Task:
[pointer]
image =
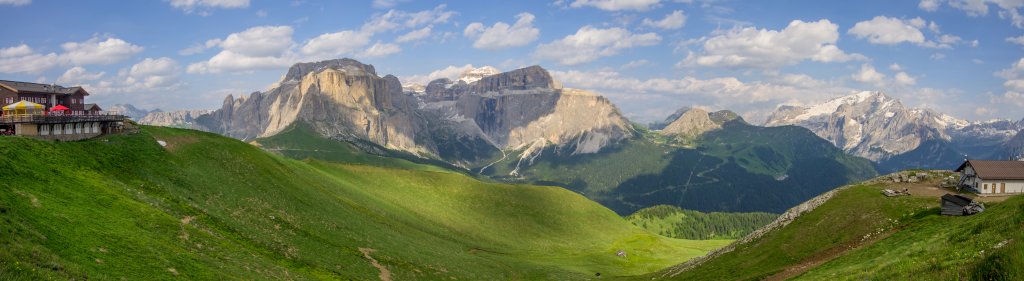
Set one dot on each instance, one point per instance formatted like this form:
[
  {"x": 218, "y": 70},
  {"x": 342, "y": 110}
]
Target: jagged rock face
[
  {"x": 867, "y": 124},
  {"x": 455, "y": 121},
  {"x": 527, "y": 107},
  {"x": 339, "y": 98},
  {"x": 692, "y": 123},
  {"x": 875, "y": 126},
  {"x": 180, "y": 118}
]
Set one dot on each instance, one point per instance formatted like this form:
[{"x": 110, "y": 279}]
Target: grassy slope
[
  {"x": 879, "y": 238},
  {"x": 209, "y": 207},
  {"x": 741, "y": 168},
  {"x": 675, "y": 222}
]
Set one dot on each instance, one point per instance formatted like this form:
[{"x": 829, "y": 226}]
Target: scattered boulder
[{"x": 620, "y": 253}]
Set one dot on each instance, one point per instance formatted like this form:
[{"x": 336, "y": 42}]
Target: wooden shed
[{"x": 959, "y": 205}]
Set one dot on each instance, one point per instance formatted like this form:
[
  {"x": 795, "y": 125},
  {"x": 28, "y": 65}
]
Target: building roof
[
  {"x": 996, "y": 170},
  {"x": 18, "y": 86},
  {"x": 89, "y": 106},
  {"x": 959, "y": 200}
]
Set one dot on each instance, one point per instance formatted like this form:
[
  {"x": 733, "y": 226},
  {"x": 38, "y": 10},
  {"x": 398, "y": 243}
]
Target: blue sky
[{"x": 964, "y": 58}]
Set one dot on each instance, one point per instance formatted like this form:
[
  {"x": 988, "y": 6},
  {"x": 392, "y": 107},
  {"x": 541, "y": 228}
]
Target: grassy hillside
[
  {"x": 861, "y": 235},
  {"x": 740, "y": 168},
  {"x": 675, "y": 222},
  {"x": 209, "y": 207}
]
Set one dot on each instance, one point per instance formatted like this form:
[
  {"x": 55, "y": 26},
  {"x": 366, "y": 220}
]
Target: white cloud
[
  {"x": 1008, "y": 9},
  {"x": 451, "y": 72},
  {"x": 259, "y": 41},
  {"x": 384, "y": 4},
  {"x": 617, "y": 5},
  {"x": 332, "y": 45},
  {"x": 22, "y": 59},
  {"x": 258, "y": 47},
  {"x": 590, "y": 43},
  {"x": 396, "y": 20},
  {"x": 889, "y": 31},
  {"x": 1019, "y": 40},
  {"x": 94, "y": 51},
  {"x": 381, "y": 49},
  {"x": 147, "y": 76},
  {"x": 501, "y": 35},
  {"x": 869, "y": 75},
  {"x": 763, "y": 48},
  {"x": 892, "y": 31},
  {"x": 191, "y": 5},
  {"x": 937, "y": 56},
  {"x": 929, "y": 5},
  {"x": 635, "y": 64},
  {"x": 895, "y": 67},
  {"x": 675, "y": 20},
  {"x": 902, "y": 78},
  {"x": 1016, "y": 71},
  {"x": 200, "y": 48},
  {"x": 15, "y": 2},
  {"x": 414, "y": 35},
  {"x": 78, "y": 75}
]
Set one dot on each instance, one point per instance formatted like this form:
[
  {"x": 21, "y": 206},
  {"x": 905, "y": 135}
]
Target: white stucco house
[{"x": 988, "y": 177}]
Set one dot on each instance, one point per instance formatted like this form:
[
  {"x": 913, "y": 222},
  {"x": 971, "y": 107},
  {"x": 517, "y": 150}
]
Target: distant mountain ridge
[{"x": 878, "y": 127}]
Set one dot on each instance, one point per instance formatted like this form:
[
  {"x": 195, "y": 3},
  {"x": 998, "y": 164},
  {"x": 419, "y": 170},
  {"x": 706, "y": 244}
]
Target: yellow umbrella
[{"x": 23, "y": 107}]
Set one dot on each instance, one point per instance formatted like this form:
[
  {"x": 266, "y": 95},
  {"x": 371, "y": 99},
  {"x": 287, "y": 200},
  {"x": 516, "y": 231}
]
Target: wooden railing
[{"x": 47, "y": 119}]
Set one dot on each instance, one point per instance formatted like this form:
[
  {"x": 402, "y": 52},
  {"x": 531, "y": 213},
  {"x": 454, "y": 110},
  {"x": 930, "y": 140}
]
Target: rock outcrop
[
  {"x": 693, "y": 122},
  {"x": 342, "y": 99},
  {"x": 129, "y": 110}
]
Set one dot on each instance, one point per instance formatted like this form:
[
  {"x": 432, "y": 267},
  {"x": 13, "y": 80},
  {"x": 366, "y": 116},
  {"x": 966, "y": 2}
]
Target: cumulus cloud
[
  {"x": 414, "y": 35},
  {"x": 891, "y": 31},
  {"x": 929, "y": 5},
  {"x": 381, "y": 49},
  {"x": 147, "y": 76},
  {"x": 1019, "y": 40},
  {"x": 396, "y": 19},
  {"x": 1008, "y": 9},
  {"x": 902, "y": 78},
  {"x": 869, "y": 75},
  {"x": 78, "y": 75},
  {"x": 886, "y": 30},
  {"x": 24, "y": 59},
  {"x": 15, "y": 2},
  {"x": 764, "y": 48},
  {"x": 258, "y": 47},
  {"x": 502, "y": 35},
  {"x": 200, "y": 48},
  {"x": 336, "y": 44},
  {"x": 451, "y": 72},
  {"x": 190, "y": 6},
  {"x": 94, "y": 51},
  {"x": 590, "y": 43},
  {"x": 675, "y": 20},
  {"x": 617, "y": 5}
]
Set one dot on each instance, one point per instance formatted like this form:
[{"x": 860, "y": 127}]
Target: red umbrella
[{"x": 59, "y": 108}]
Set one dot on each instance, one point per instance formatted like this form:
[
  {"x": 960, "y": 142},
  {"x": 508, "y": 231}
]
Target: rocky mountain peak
[
  {"x": 520, "y": 79},
  {"x": 354, "y": 67},
  {"x": 473, "y": 75},
  {"x": 692, "y": 122}
]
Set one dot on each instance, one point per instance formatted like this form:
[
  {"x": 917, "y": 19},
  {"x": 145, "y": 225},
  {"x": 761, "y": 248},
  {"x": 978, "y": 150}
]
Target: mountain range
[
  {"x": 524, "y": 126},
  {"x": 878, "y": 127}
]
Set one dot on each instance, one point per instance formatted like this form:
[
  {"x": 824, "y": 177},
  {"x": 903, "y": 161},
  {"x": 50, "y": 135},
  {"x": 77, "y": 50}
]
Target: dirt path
[
  {"x": 385, "y": 274},
  {"x": 825, "y": 256}
]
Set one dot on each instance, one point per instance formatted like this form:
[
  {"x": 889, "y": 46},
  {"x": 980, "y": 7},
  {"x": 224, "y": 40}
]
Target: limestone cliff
[{"x": 340, "y": 98}]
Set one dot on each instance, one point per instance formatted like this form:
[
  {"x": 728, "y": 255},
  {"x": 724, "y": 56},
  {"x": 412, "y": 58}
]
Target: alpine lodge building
[{"x": 53, "y": 112}]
